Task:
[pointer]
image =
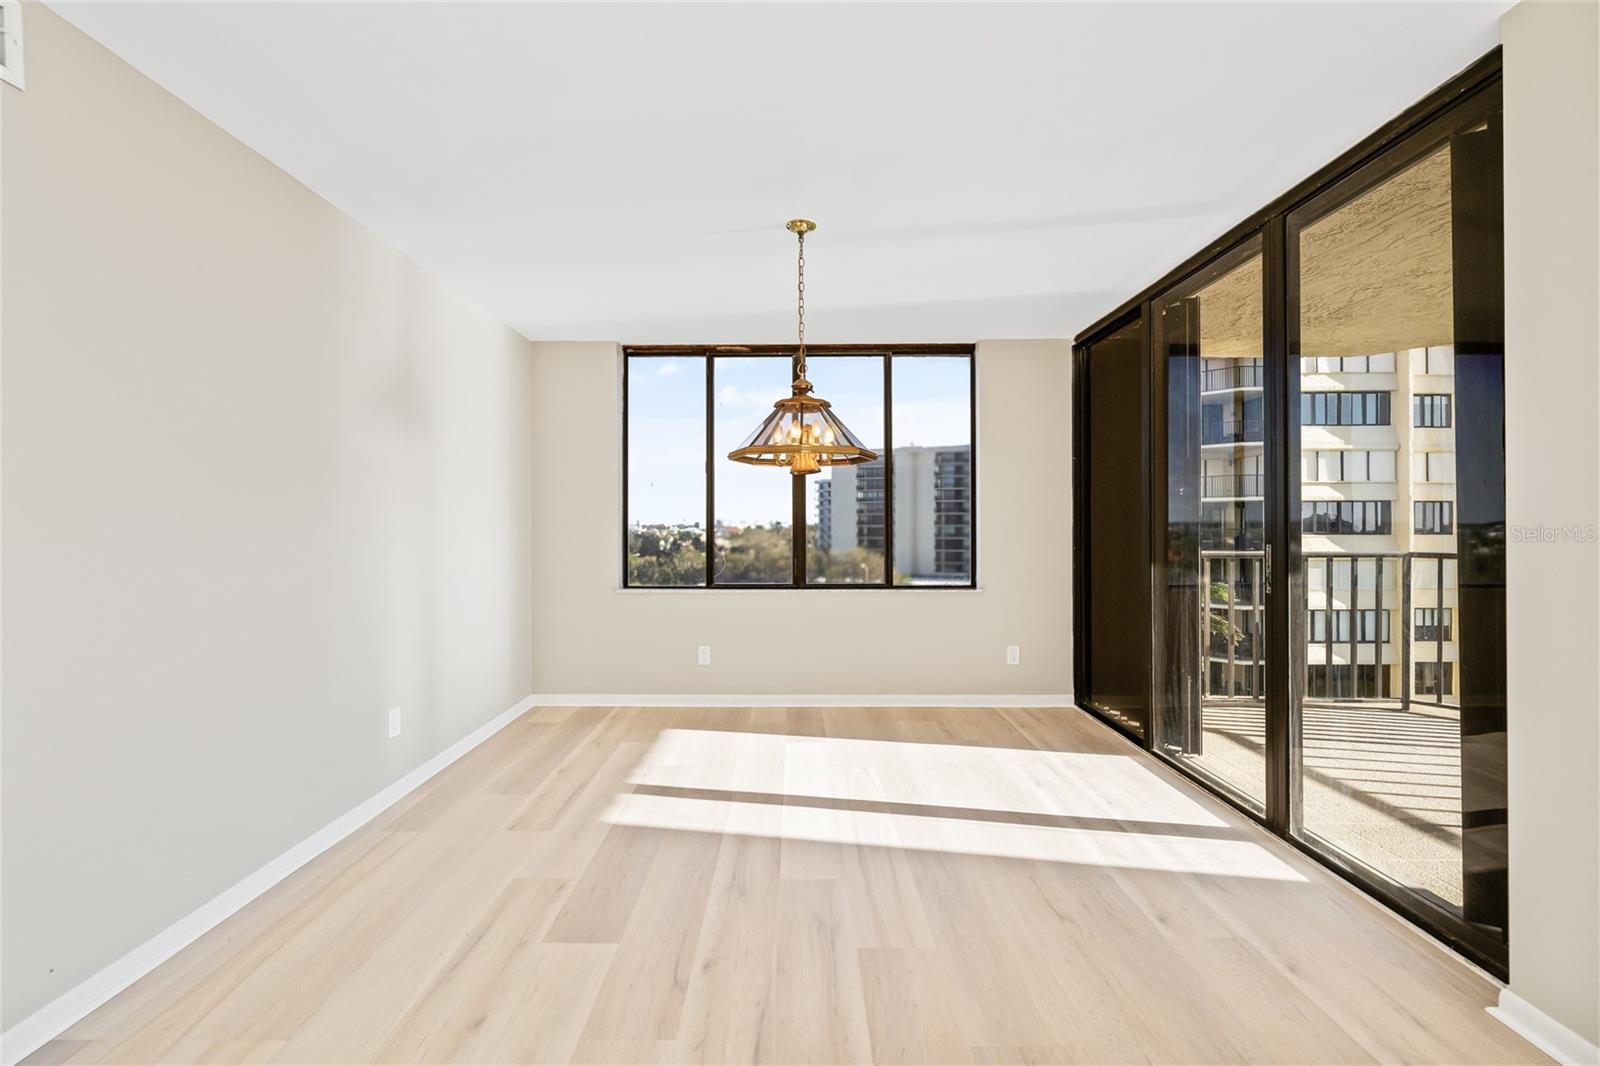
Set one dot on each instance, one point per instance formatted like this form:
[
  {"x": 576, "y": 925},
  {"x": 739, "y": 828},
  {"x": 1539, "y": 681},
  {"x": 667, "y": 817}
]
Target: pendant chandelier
[{"x": 802, "y": 433}]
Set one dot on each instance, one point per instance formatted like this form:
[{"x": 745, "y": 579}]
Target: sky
[{"x": 666, "y": 426}]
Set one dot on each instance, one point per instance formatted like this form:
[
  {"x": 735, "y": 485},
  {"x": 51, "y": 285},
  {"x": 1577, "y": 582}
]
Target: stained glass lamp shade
[{"x": 802, "y": 433}]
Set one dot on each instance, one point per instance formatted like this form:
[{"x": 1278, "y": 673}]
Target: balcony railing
[
  {"x": 1217, "y": 485},
  {"x": 1245, "y": 374},
  {"x": 1231, "y": 431},
  {"x": 1359, "y": 597}
]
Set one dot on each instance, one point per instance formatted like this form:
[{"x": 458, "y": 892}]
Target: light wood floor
[{"x": 806, "y": 885}]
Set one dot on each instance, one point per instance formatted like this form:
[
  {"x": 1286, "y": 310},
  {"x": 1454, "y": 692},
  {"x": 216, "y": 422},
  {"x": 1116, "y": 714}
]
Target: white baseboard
[
  {"x": 49, "y": 1021},
  {"x": 1543, "y": 1031},
  {"x": 768, "y": 699}
]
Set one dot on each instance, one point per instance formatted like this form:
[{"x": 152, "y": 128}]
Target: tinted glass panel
[
  {"x": 844, "y": 504},
  {"x": 754, "y": 512},
  {"x": 1212, "y": 660},
  {"x": 666, "y": 471},
  {"x": 1385, "y": 756},
  {"x": 1117, "y": 565},
  {"x": 933, "y": 474}
]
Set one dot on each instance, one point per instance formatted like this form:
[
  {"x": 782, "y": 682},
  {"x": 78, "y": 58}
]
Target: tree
[{"x": 666, "y": 556}]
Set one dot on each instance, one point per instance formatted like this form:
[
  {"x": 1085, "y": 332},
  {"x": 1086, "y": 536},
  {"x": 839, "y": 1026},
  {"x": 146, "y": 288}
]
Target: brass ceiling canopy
[{"x": 802, "y": 432}]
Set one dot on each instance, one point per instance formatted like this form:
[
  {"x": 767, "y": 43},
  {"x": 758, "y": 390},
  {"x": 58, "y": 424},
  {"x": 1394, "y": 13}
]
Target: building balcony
[
  {"x": 1245, "y": 375},
  {"x": 1233, "y": 486},
  {"x": 1232, "y": 431}
]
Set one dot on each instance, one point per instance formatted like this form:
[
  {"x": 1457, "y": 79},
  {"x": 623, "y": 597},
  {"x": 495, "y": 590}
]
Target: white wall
[
  {"x": 264, "y": 478},
  {"x": 589, "y": 637},
  {"x": 1552, "y": 174}
]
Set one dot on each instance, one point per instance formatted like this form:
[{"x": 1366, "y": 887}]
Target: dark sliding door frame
[
  {"x": 1084, "y": 683},
  {"x": 1480, "y": 935}
]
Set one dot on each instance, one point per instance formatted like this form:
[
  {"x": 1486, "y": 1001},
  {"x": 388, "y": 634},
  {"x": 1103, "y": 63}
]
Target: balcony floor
[{"x": 1382, "y": 784}]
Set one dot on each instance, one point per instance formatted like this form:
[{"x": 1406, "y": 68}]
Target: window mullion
[
  {"x": 711, "y": 471},
  {"x": 888, "y": 470}
]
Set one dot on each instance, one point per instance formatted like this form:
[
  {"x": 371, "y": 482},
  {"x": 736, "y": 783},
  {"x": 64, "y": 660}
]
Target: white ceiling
[{"x": 623, "y": 172}]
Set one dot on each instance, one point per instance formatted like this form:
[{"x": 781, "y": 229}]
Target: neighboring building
[
  {"x": 932, "y": 503},
  {"x": 1378, "y": 503},
  {"x": 824, "y": 488}
]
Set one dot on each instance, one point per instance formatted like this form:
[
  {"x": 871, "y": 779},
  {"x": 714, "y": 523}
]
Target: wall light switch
[
  {"x": 703, "y": 655},
  {"x": 394, "y": 722},
  {"x": 1013, "y": 655}
]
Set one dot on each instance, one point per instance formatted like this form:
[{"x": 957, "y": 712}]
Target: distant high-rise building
[
  {"x": 933, "y": 510},
  {"x": 824, "y": 490},
  {"x": 1378, "y": 502}
]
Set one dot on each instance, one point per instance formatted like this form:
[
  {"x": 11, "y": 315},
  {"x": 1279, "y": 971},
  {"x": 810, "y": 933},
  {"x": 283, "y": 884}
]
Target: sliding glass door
[
  {"x": 1395, "y": 322},
  {"x": 1211, "y": 646},
  {"x": 1324, "y": 547}
]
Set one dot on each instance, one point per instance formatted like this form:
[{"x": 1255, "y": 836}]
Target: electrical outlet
[
  {"x": 703, "y": 655},
  {"x": 394, "y": 722},
  {"x": 1013, "y": 655}
]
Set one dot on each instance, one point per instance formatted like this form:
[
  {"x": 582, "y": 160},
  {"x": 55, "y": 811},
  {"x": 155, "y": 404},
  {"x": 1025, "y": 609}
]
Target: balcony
[
  {"x": 1245, "y": 430},
  {"x": 1245, "y": 374},
  {"x": 1229, "y": 486}
]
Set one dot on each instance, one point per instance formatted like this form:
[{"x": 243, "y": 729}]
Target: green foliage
[
  {"x": 852, "y": 566},
  {"x": 674, "y": 556},
  {"x": 666, "y": 556},
  {"x": 1222, "y": 625},
  {"x": 758, "y": 555}
]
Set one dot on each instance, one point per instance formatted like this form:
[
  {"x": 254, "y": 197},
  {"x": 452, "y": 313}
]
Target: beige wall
[
  {"x": 589, "y": 637},
  {"x": 1552, "y": 144},
  {"x": 264, "y": 478}
]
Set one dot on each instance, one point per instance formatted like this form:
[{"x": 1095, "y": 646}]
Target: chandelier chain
[{"x": 800, "y": 289}]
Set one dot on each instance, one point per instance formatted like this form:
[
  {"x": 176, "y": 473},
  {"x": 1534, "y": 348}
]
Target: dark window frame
[
  {"x": 1347, "y": 518},
  {"x": 1431, "y": 624},
  {"x": 1432, "y": 410},
  {"x": 1338, "y": 407},
  {"x": 1435, "y": 679},
  {"x": 799, "y": 526},
  {"x": 1433, "y": 518}
]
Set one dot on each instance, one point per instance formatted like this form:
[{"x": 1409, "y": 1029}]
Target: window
[
  {"x": 845, "y": 536},
  {"x": 1344, "y": 408},
  {"x": 1347, "y": 517},
  {"x": 1434, "y": 516},
  {"x": 1232, "y": 525},
  {"x": 752, "y": 520},
  {"x": 1329, "y": 627},
  {"x": 1433, "y": 466},
  {"x": 1431, "y": 623},
  {"x": 1367, "y": 627},
  {"x": 1333, "y": 627},
  {"x": 1431, "y": 410},
  {"x": 1380, "y": 363},
  {"x": 1334, "y": 682},
  {"x": 1436, "y": 359},
  {"x": 1329, "y": 467},
  {"x": 666, "y": 529},
  {"x": 696, "y": 519},
  {"x": 932, "y": 469},
  {"x": 1435, "y": 679}
]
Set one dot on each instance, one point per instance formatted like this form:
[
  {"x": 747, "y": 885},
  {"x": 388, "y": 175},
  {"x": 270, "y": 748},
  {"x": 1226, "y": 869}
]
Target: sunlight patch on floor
[{"x": 1070, "y": 807}]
